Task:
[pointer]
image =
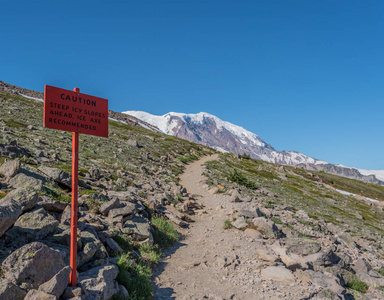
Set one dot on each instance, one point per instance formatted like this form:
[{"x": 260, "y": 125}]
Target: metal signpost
[{"x": 78, "y": 113}]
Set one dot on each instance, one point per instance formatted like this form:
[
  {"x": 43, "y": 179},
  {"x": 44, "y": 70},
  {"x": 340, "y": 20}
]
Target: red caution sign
[
  {"x": 80, "y": 113},
  {"x": 72, "y": 111}
]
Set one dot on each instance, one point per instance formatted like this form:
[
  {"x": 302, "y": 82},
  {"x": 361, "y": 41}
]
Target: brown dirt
[{"x": 211, "y": 262}]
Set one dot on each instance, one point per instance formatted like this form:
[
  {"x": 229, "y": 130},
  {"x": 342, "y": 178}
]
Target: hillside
[{"x": 245, "y": 224}]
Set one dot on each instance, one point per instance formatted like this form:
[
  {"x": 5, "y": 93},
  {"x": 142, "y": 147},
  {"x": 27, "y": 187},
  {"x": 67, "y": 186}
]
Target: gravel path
[{"x": 211, "y": 262}]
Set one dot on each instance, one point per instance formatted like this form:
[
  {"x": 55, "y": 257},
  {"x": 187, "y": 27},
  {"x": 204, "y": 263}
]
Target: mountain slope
[{"x": 209, "y": 130}]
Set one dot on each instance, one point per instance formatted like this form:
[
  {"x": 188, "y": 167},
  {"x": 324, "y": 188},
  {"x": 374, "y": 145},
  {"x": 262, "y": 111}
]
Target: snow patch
[{"x": 34, "y": 98}]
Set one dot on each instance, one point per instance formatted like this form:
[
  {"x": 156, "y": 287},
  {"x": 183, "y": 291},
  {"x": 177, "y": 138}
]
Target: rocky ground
[
  {"x": 255, "y": 259},
  {"x": 250, "y": 229}
]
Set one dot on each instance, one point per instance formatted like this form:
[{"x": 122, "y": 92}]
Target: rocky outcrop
[{"x": 32, "y": 265}]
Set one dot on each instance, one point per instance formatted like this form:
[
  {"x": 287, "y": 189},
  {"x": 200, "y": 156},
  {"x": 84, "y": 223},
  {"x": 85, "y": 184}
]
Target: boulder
[
  {"x": 239, "y": 223},
  {"x": 252, "y": 233},
  {"x": 140, "y": 227},
  {"x": 106, "y": 207},
  {"x": 57, "y": 175},
  {"x": 93, "y": 247},
  {"x": 31, "y": 265},
  {"x": 302, "y": 246},
  {"x": 278, "y": 273},
  {"x": 38, "y": 295},
  {"x": 133, "y": 143},
  {"x": 50, "y": 205},
  {"x": 113, "y": 248},
  {"x": 26, "y": 198},
  {"x": 10, "y": 168},
  {"x": 10, "y": 291},
  {"x": 71, "y": 292},
  {"x": 361, "y": 265},
  {"x": 266, "y": 227},
  {"x": 57, "y": 284},
  {"x": 9, "y": 212},
  {"x": 32, "y": 226},
  {"x": 321, "y": 280},
  {"x": 101, "y": 280},
  {"x": 128, "y": 209},
  {"x": 26, "y": 182},
  {"x": 327, "y": 258}
]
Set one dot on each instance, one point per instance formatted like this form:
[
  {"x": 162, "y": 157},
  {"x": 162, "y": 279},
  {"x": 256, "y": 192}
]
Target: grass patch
[
  {"x": 277, "y": 220},
  {"x": 227, "y": 224},
  {"x": 357, "y": 285},
  {"x": 124, "y": 242},
  {"x": 149, "y": 253},
  {"x": 136, "y": 277},
  {"x": 164, "y": 232},
  {"x": 240, "y": 178}
]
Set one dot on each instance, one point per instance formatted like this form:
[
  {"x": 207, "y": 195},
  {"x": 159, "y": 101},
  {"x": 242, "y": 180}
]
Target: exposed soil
[{"x": 211, "y": 262}]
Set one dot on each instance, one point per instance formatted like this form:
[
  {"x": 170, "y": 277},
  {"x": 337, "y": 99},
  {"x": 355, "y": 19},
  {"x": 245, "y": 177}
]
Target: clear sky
[{"x": 304, "y": 75}]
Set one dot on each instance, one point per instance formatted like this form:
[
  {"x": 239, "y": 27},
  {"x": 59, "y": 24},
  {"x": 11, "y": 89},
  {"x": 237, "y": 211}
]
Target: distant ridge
[{"x": 209, "y": 130}]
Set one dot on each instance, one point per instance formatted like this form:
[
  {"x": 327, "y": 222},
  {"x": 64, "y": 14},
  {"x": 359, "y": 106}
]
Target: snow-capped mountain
[{"x": 209, "y": 130}]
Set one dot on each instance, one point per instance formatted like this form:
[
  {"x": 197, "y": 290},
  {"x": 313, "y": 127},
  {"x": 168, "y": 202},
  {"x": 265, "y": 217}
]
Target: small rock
[{"x": 57, "y": 284}]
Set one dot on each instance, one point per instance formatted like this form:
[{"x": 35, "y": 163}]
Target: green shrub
[
  {"x": 150, "y": 253},
  {"x": 164, "y": 233},
  {"x": 357, "y": 285},
  {"x": 136, "y": 277},
  {"x": 227, "y": 224},
  {"x": 240, "y": 178}
]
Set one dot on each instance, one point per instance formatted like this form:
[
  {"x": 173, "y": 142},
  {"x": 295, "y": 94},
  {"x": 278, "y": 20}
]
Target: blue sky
[{"x": 304, "y": 75}]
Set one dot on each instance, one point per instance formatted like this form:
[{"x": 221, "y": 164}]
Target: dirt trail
[{"x": 211, "y": 262}]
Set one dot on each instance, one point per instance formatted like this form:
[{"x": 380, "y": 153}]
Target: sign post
[{"x": 79, "y": 113}]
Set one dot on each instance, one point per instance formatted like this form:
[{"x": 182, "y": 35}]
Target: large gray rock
[
  {"x": 327, "y": 258},
  {"x": 140, "y": 227},
  {"x": 278, "y": 273},
  {"x": 93, "y": 248},
  {"x": 57, "y": 284},
  {"x": 26, "y": 198},
  {"x": 101, "y": 280},
  {"x": 266, "y": 227},
  {"x": 38, "y": 295},
  {"x": 31, "y": 265},
  {"x": 327, "y": 282},
  {"x": 113, "y": 248},
  {"x": 57, "y": 175},
  {"x": 10, "y": 291},
  {"x": 9, "y": 212},
  {"x": 10, "y": 168},
  {"x": 106, "y": 207},
  {"x": 302, "y": 246},
  {"x": 128, "y": 209},
  {"x": 52, "y": 205},
  {"x": 239, "y": 223},
  {"x": 32, "y": 226},
  {"x": 26, "y": 182}
]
